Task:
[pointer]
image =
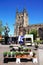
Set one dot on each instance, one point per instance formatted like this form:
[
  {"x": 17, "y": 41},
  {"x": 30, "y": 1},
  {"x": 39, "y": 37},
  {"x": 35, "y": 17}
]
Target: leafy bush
[
  {"x": 5, "y": 54},
  {"x": 29, "y": 49},
  {"x": 34, "y": 32},
  {"x": 11, "y": 46},
  {"x": 26, "y": 53},
  {"x": 26, "y": 49},
  {"x": 34, "y": 54},
  {"x": 13, "y": 54},
  {"x": 9, "y": 54},
  {"x": 22, "y": 53},
  {"x": 38, "y": 41},
  {"x": 36, "y": 46},
  {"x": 20, "y": 48},
  {"x": 18, "y": 53}
]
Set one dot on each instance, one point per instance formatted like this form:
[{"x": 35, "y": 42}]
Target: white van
[{"x": 28, "y": 39}]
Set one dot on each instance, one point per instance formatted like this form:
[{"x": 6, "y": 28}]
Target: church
[{"x": 21, "y": 24}]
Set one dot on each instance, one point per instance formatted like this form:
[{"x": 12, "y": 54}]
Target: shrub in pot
[
  {"x": 36, "y": 46},
  {"x": 11, "y": 46},
  {"x": 20, "y": 48},
  {"x": 34, "y": 54},
  {"x": 5, "y": 54},
  {"x": 9, "y": 54},
  {"x": 26, "y": 53},
  {"x": 26, "y": 49},
  {"x": 29, "y": 50},
  {"x": 18, "y": 54},
  {"x": 13, "y": 54}
]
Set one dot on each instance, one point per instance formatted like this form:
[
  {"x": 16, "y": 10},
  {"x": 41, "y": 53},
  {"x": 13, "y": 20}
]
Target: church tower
[
  {"x": 25, "y": 16},
  {"x": 21, "y": 21}
]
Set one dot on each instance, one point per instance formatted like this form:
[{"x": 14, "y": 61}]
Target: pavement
[{"x": 40, "y": 51}]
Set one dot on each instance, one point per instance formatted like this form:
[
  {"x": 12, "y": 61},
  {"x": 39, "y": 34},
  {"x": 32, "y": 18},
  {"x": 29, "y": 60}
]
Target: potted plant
[
  {"x": 9, "y": 54},
  {"x": 24, "y": 54},
  {"x": 20, "y": 48},
  {"x": 29, "y": 49},
  {"x": 11, "y": 46},
  {"x": 34, "y": 54},
  {"x": 18, "y": 54},
  {"x": 26, "y": 49},
  {"x": 36, "y": 46},
  {"x": 5, "y": 54},
  {"x": 13, "y": 54}
]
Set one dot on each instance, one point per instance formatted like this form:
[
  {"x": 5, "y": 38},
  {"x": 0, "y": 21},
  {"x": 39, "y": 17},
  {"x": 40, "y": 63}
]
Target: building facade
[
  {"x": 21, "y": 21},
  {"x": 22, "y": 25}
]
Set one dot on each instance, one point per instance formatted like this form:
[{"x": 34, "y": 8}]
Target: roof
[{"x": 28, "y": 36}]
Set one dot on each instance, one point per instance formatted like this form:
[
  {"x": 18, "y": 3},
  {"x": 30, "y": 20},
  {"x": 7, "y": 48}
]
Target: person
[
  {"x": 20, "y": 39},
  {"x": 18, "y": 60},
  {"x": 35, "y": 59}
]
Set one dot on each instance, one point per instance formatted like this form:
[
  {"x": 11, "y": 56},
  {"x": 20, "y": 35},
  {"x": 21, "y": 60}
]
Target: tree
[
  {"x": 34, "y": 32},
  {"x": 1, "y": 28}
]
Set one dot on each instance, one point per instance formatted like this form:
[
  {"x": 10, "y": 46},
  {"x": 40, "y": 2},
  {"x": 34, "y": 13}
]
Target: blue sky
[{"x": 8, "y": 11}]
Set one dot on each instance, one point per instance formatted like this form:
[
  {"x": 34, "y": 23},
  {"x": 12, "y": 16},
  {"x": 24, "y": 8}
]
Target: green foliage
[
  {"x": 38, "y": 41},
  {"x": 36, "y": 46},
  {"x": 5, "y": 54},
  {"x": 1, "y": 27},
  {"x": 20, "y": 48},
  {"x": 17, "y": 53},
  {"x": 21, "y": 53},
  {"x": 26, "y": 53},
  {"x": 13, "y": 54},
  {"x": 34, "y": 54},
  {"x": 9, "y": 54},
  {"x": 34, "y": 32},
  {"x": 11, "y": 46},
  {"x": 26, "y": 49}
]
